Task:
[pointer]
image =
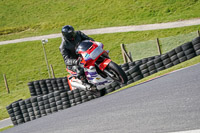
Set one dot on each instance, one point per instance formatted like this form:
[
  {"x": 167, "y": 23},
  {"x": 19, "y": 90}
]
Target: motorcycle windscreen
[
  {"x": 84, "y": 46},
  {"x": 96, "y": 53},
  {"x": 93, "y": 55}
]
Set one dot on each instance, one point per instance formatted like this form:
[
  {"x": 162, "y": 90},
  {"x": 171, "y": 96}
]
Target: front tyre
[{"x": 117, "y": 72}]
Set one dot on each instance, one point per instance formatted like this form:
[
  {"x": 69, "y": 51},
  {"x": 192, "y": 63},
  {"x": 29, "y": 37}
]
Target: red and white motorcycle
[{"x": 100, "y": 70}]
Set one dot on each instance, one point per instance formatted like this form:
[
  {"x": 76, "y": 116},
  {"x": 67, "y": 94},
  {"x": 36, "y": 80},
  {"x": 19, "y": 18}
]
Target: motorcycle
[{"x": 100, "y": 70}]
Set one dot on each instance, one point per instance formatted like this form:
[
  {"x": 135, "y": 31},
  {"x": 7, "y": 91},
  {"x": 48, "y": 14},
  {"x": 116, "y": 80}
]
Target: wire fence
[
  {"x": 19, "y": 80},
  {"x": 149, "y": 48}
]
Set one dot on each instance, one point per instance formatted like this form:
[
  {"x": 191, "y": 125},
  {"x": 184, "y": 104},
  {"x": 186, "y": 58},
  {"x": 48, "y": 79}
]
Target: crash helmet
[{"x": 68, "y": 32}]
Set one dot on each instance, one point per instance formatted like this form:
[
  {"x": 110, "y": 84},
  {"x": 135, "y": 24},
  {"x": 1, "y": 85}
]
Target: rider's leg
[{"x": 79, "y": 71}]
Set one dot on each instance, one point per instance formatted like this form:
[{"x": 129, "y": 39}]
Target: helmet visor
[{"x": 69, "y": 36}]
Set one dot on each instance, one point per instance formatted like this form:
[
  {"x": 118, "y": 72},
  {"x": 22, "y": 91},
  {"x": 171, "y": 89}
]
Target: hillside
[{"x": 29, "y": 18}]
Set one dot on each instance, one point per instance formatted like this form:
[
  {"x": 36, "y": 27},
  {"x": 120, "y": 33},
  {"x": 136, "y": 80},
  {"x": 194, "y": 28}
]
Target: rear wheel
[{"x": 117, "y": 72}]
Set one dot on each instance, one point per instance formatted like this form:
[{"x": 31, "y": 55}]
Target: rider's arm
[
  {"x": 84, "y": 37},
  {"x": 66, "y": 55}
]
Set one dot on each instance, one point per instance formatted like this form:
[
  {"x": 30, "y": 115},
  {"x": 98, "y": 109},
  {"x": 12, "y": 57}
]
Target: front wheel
[{"x": 117, "y": 73}]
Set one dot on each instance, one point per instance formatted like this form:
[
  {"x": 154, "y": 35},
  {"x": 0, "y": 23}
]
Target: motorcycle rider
[{"x": 70, "y": 41}]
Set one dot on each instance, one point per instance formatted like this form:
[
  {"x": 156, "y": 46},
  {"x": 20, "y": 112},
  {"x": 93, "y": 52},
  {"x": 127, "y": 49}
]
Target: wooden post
[
  {"x": 130, "y": 55},
  {"x": 52, "y": 71},
  {"x": 123, "y": 54},
  {"x": 158, "y": 46},
  {"x": 6, "y": 83},
  {"x": 126, "y": 57},
  {"x": 198, "y": 33}
]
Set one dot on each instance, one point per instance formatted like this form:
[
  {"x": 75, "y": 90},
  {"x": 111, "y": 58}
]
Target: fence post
[
  {"x": 123, "y": 54},
  {"x": 52, "y": 71},
  {"x": 158, "y": 46},
  {"x": 45, "y": 55},
  {"x": 6, "y": 83},
  {"x": 198, "y": 33},
  {"x": 126, "y": 57},
  {"x": 130, "y": 55}
]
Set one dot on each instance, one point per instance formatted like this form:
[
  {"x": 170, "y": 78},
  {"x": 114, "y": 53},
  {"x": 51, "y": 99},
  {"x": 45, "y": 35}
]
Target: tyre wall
[
  {"x": 46, "y": 86},
  {"x": 148, "y": 66},
  {"x": 51, "y": 95},
  {"x": 22, "y": 111}
]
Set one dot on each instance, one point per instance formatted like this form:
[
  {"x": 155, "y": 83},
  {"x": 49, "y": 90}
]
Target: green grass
[
  {"x": 24, "y": 62},
  {"x": 5, "y": 128},
  {"x": 29, "y": 18}
]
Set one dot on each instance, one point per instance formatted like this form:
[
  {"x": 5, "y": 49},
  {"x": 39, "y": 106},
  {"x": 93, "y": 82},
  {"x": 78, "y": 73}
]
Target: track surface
[{"x": 167, "y": 104}]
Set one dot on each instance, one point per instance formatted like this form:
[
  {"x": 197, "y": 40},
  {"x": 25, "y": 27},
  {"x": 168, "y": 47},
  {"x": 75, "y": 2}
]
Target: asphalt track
[{"x": 170, "y": 103}]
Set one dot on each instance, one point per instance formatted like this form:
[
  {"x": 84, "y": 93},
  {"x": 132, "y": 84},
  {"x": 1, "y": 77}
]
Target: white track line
[
  {"x": 5, "y": 123},
  {"x": 4, "y": 119},
  {"x": 189, "y": 131}
]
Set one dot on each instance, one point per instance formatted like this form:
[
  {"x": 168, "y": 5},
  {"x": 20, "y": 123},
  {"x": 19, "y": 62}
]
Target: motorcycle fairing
[
  {"x": 104, "y": 64},
  {"x": 91, "y": 55},
  {"x": 94, "y": 78}
]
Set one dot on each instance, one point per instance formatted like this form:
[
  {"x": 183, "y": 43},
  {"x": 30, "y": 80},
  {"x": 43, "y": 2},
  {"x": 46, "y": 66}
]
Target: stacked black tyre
[
  {"x": 24, "y": 111},
  {"x": 188, "y": 50},
  {"x": 79, "y": 96},
  {"x": 196, "y": 45},
  {"x": 46, "y": 86},
  {"x": 30, "y": 113},
  {"x": 15, "y": 113},
  {"x": 65, "y": 100},
  {"x": 35, "y": 107},
  {"x": 151, "y": 67},
  {"x": 41, "y": 106},
  {"x": 135, "y": 73}
]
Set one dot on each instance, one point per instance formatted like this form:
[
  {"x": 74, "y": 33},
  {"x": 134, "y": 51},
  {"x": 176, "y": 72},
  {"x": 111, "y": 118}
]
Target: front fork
[{"x": 102, "y": 66}]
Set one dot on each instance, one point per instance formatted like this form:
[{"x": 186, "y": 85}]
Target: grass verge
[{"x": 5, "y": 128}]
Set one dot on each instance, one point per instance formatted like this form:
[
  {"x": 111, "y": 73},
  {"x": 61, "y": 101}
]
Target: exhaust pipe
[{"x": 78, "y": 85}]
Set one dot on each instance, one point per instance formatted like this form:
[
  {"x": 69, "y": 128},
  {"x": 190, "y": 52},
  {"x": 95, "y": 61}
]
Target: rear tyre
[{"x": 119, "y": 74}]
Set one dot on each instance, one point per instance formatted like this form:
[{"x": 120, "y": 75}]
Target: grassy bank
[
  {"x": 24, "y": 62},
  {"x": 30, "y": 18}
]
